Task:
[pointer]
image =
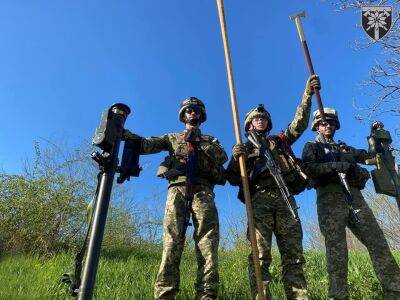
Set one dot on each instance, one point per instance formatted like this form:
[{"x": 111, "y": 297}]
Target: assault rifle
[
  {"x": 191, "y": 163},
  {"x": 348, "y": 196},
  {"x": 108, "y": 138},
  {"x": 342, "y": 178},
  {"x": 274, "y": 169}
]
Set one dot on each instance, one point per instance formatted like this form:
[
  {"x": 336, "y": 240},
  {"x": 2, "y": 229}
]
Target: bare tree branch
[{"x": 383, "y": 84}]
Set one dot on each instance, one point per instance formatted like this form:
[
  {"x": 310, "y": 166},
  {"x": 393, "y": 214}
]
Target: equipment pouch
[
  {"x": 165, "y": 166},
  {"x": 214, "y": 152},
  {"x": 384, "y": 181},
  {"x": 218, "y": 175},
  {"x": 296, "y": 182},
  {"x": 358, "y": 177},
  {"x": 170, "y": 169}
]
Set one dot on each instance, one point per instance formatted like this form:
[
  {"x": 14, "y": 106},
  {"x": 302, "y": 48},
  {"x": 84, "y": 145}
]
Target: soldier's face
[
  {"x": 192, "y": 116},
  {"x": 259, "y": 124},
  {"x": 327, "y": 128}
]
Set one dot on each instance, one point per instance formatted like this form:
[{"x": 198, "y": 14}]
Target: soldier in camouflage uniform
[
  {"x": 333, "y": 212},
  {"x": 208, "y": 172},
  {"x": 271, "y": 213}
]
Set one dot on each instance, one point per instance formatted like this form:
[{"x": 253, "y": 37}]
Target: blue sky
[{"x": 63, "y": 62}]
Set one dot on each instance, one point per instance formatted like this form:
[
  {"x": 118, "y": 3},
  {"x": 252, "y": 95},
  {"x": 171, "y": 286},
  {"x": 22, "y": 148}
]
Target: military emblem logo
[{"x": 376, "y": 21}]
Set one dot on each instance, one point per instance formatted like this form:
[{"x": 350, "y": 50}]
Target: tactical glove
[
  {"x": 238, "y": 150},
  {"x": 312, "y": 84},
  {"x": 340, "y": 166}
]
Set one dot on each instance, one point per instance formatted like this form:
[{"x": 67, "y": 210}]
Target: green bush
[
  {"x": 43, "y": 211},
  {"x": 40, "y": 215}
]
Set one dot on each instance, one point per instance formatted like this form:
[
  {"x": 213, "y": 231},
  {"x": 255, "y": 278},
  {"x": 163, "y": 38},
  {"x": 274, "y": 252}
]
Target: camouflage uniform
[
  {"x": 334, "y": 216},
  {"x": 271, "y": 214},
  {"x": 209, "y": 172}
]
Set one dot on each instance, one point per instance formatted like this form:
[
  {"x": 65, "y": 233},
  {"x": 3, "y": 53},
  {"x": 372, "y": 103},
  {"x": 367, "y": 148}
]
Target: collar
[{"x": 319, "y": 138}]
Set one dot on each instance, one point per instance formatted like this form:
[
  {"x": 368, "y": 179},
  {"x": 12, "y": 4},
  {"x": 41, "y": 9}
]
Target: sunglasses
[
  {"x": 259, "y": 119},
  {"x": 192, "y": 109},
  {"x": 328, "y": 122}
]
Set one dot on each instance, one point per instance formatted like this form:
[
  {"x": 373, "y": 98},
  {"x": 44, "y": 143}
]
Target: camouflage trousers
[
  {"x": 334, "y": 217},
  {"x": 206, "y": 236},
  {"x": 271, "y": 215}
]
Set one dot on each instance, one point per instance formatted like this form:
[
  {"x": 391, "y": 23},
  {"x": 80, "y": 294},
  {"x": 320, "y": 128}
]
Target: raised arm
[{"x": 302, "y": 116}]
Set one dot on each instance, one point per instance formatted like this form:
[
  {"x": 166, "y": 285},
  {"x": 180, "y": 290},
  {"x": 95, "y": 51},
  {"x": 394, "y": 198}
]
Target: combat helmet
[
  {"x": 330, "y": 114},
  {"x": 192, "y": 102},
  {"x": 258, "y": 112}
]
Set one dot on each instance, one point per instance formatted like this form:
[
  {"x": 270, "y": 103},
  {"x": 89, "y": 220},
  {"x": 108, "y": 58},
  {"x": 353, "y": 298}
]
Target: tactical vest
[
  {"x": 356, "y": 176},
  {"x": 284, "y": 157},
  {"x": 210, "y": 159}
]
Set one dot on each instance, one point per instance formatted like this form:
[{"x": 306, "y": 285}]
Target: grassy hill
[{"x": 129, "y": 274}]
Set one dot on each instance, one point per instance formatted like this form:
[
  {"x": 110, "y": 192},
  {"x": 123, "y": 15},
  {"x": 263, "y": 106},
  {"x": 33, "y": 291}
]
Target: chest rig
[
  {"x": 286, "y": 161},
  {"x": 356, "y": 175},
  {"x": 210, "y": 157}
]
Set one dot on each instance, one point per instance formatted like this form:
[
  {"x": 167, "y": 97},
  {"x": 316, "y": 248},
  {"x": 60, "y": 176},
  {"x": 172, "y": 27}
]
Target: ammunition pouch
[
  {"x": 357, "y": 177},
  {"x": 214, "y": 152},
  {"x": 216, "y": 175},
  {"x": 171, "y": 168},
  {"x": 291, "y": 170},
  {"x": 172, "y": 174},
  {"x": 296, "y": 182}
]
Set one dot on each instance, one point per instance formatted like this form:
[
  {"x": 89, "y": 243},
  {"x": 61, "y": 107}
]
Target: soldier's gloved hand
[
  {"x": 238, "y": 150},
  {"x": 127, "y": 135},
  {"x": 312, "y": 84},
  {"x": 340, "y": 166}
]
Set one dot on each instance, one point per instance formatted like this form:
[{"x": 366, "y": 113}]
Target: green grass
[{"x": 130, "y": 275}]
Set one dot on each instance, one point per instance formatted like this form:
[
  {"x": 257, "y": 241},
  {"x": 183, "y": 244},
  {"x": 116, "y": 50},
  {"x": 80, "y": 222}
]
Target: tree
[
  {"x": 43, "y": 211},
  {"x": 384, "y": 77}
]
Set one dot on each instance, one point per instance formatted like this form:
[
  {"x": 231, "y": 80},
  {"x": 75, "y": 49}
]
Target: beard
[{"x": 194, "y": 121}]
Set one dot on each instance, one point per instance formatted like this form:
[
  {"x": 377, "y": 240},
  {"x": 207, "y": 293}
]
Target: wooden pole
[
  {"x": 297, "y": 19},
  {"x": 242, "y": 163},
  {"x": 342, "y": 176}
]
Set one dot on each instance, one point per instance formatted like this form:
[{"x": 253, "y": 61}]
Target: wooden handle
[{"x": 242, "y": 163}]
